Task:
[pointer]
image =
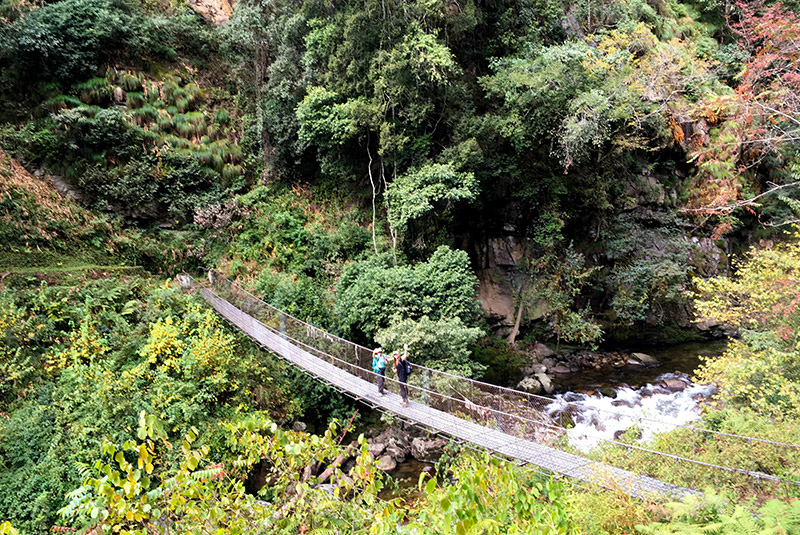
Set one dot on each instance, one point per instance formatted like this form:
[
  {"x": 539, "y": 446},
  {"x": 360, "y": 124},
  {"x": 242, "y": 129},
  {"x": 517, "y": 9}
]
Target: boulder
[
  {"x": 545, "y": 381},
  {"x": 534, "y": 369},
  {"x": 541, "y": 351},
  {"x": 387, "y": 463},
  {"x": 608, "y": 392},
  {"x": 530, "y": 385},
  {"x": 376, "y": 448},
  {"x": 644, "y": 358},
  {"x": 549, "y": 363},
  {"x": 673, "y": 385},
  {"x": 427, "y": 449},
  {"x": 299, "y": 427},
  {"x": 565, "y": 418},
  {"x": 214, "y": 11},
  {"x": 397, "y": 452}
]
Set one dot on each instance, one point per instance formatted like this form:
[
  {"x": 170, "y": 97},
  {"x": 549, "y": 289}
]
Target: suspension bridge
[{"x": 509, "y": 423}]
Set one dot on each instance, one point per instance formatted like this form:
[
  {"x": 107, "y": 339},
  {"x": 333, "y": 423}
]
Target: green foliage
[
  {"x": 420, "y": 191},
  {"x": 761, "y": 370},
  {"x": 489, "y": 497},
  {"x": 556, "y": 283},
  {"x": 373, "y": 294},
  {"x": 298, "y": 503},
  {"x": 715, "y": 514},
  {"x": 443, "y": 344},
  {"x": 71, "y": 40},
  {"x": 124, "y": 162},
  {"x": 128, "y": 498},
  {"x": 82, "y": 361},
  {"x": 650, "y": 277}
]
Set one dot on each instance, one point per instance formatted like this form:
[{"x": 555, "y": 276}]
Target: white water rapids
[{"x": 652, "y": 408}]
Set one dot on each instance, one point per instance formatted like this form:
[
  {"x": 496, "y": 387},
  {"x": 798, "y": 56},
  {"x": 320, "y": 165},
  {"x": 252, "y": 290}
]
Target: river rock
[
  {"x": 717, "y": 329},
  {"x": 608, "y": 392},
  {"x": 623, "y": 403},
  {"x": 387, "y": 463},
  {"x": 427, "y": 449},
  {"x": 376, "y": 448},
  {"x": 674, "y": 385},
  {"x": 560, "y": 368},
  {"x": 644, "y": 358},
  {"x": 545, "y": 381},
  {"x": 299, "y": 427},
  {"x": 549, "y": 363},
  {"x": 534, "y": 369},
  {"x": 397, "y": 452},
  {"x": 530, "y": 385},
  {"x": 541, "y": 351}
]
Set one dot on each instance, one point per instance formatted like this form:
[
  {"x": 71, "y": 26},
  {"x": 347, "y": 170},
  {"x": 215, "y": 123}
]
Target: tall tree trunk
[{"x": 512, "y": 336}]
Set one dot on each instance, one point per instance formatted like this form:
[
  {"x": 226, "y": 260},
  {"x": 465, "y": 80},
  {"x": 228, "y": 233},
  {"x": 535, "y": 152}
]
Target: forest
[{"x": 521, "y": 190}]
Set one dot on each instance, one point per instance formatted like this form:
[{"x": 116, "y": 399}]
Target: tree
[
  {"x": 762, "y": 370},
  {"x": 552, "y": 286},
  {"x": 373, "y": 294},
  {"x": 739, "y": 130},
  {"x": 443, "y": 344}
]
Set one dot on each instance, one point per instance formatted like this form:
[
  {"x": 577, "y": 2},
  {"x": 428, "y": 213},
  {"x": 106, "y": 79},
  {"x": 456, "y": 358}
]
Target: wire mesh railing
[{"x": 690, "y": 456}]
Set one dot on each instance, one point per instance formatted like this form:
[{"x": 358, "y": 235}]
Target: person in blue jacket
[
  {"x": 379, "y": 366},
  {"x": 403, "y": 369}
]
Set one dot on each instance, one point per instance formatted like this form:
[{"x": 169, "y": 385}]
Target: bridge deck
[{"x": 557, "y": 461}]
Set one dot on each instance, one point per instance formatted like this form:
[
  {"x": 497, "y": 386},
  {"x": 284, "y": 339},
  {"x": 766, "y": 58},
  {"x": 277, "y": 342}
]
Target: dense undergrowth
[{"x": 353, "y": 163}]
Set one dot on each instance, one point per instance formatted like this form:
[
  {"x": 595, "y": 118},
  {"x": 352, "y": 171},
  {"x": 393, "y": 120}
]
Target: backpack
[
  {"x": 408, "y": 367},
  {"x": 379, "y": 363}
]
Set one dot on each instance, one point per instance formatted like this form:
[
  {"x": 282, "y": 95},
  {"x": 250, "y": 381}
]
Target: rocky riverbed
[{"x": 547, "y": 371}]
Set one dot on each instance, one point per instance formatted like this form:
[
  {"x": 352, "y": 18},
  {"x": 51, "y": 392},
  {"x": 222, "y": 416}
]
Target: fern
[
  {"x": 76, "y": 500},
  {"x": 775, "y": 517},
  {"x": 129, "y": 82},
  {"x": 182, "y": 104},
  {"x": 221, "y": 116},
  {"x": 169, "y": 88},
  {"x": 231, "y": 172},
  {"x": 94, "y": 91},
  {"x": 134, "y": 99},
  {"x": 193, "y": 92}
]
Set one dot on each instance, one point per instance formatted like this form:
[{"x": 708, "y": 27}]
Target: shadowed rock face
[{"x": 214, "y": 11}]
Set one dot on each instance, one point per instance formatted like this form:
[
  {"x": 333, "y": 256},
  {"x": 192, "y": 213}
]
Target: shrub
[
  {"x": 72, "y": 39},
  {"x": 443, "y": 344},
  {"x": 373, "y": 294}
]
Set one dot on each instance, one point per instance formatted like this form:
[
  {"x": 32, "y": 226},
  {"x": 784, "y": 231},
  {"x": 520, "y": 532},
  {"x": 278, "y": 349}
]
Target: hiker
[
  {"x": 379, "y": 366},
  {"x": 403, "y": 369}
]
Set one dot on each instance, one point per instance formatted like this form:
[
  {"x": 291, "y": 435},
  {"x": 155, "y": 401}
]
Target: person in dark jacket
[
  {"x": 402, "y": 368},
  {"x": 379, "y": 366}
]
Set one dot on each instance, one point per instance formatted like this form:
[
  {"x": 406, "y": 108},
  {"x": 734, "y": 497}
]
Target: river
[{"x": 603, "y": 404}]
